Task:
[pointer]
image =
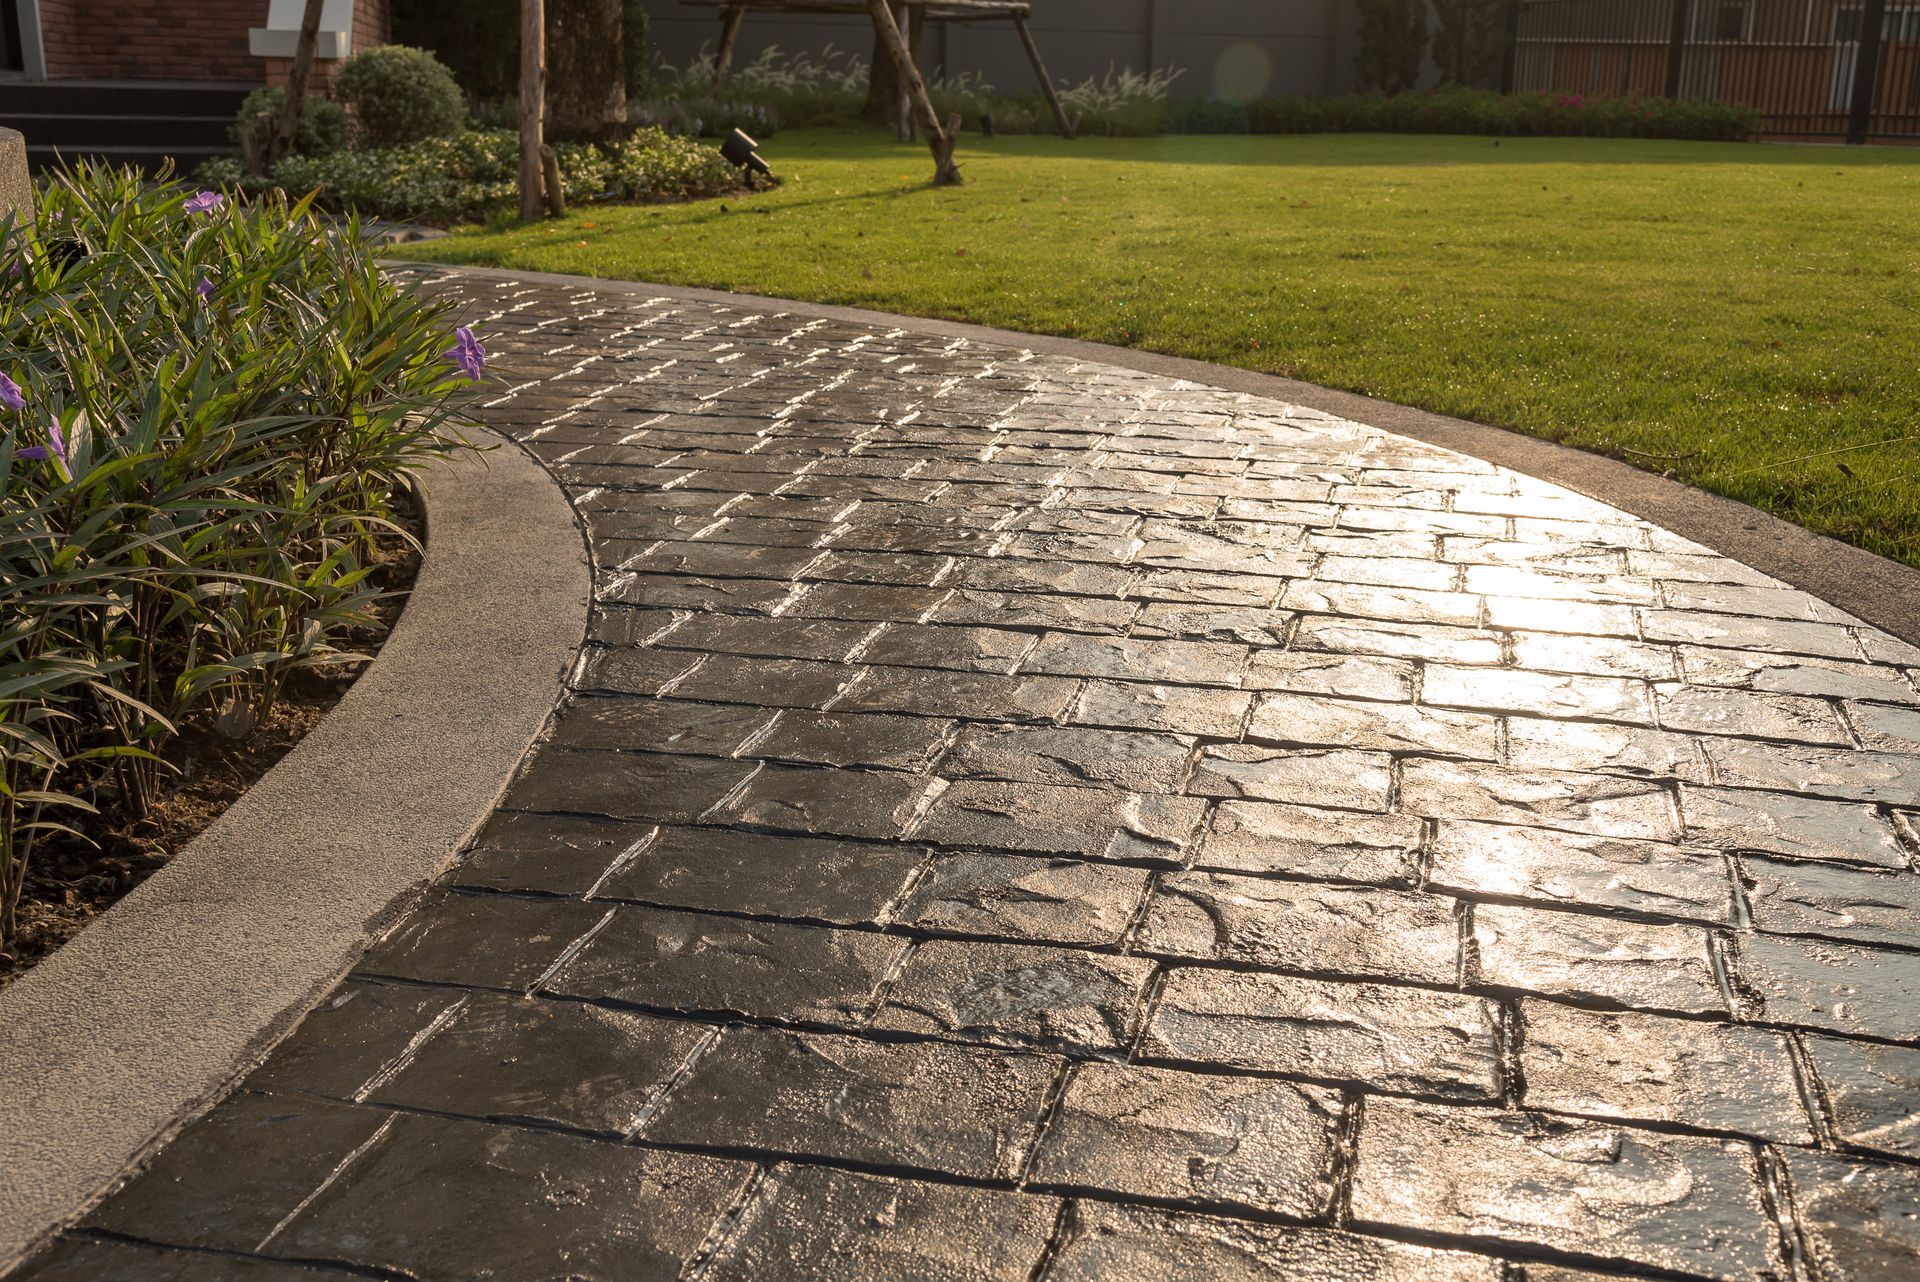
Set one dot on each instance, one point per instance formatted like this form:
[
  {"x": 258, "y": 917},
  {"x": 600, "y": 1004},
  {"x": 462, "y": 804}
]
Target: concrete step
[
  {"x": 69, "y": 132},
  {"x": 146, "y": 159},
  {"x": 121, "y": 98},
  {"x": 132, "y": 122}
]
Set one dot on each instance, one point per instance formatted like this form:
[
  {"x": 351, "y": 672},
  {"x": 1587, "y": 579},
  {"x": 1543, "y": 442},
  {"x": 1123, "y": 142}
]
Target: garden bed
[
  {"x": 74, "y": 881},
  {"x": 472, "y": 175},
  {"x": 207, "y": 413}
]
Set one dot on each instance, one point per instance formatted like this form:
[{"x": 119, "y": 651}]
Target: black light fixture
[{"x": 738, "y": 149}]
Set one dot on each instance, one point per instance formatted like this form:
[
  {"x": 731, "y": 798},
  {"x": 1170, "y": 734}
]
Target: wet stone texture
[
  {"x": 1181, "y": 1137},
  {"x": 1032, "y": 820}
]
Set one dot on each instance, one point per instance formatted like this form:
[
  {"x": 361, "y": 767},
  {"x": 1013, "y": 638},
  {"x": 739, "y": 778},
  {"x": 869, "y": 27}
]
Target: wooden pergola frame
[{"x": 913, "y": 15}]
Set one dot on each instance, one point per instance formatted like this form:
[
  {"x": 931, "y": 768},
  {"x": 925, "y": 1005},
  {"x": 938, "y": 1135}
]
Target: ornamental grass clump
[{"x": 207, "y": 409}]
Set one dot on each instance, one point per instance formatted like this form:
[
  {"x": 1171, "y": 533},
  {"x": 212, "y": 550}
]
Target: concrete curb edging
[
  {"x": 1884, "y": 593},
  {"x": 165, "y": 999}
]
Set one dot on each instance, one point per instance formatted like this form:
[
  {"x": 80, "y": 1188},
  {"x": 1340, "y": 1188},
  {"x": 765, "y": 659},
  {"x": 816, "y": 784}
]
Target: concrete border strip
[
  {"x": 157, "y": 1007},
  {"x": 1884, "y": 593}
]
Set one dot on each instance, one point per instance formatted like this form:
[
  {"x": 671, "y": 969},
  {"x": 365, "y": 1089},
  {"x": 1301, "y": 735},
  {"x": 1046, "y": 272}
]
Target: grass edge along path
[{"x": 1741, "y": 317}]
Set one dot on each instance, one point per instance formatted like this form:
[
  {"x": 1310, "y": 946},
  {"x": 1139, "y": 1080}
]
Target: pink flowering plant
[{"x": 206, "y": 409}]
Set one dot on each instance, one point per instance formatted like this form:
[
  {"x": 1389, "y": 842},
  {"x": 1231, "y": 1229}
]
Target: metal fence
[{"x": 1814, "y": 68}]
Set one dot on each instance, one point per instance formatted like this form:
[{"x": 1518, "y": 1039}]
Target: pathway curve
[{"x": 1020, "y": 819}]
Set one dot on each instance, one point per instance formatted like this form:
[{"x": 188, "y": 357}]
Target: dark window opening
[{"x": 13, "y": 53}]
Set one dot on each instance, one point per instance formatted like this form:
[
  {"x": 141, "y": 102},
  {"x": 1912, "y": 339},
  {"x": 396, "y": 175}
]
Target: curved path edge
[
  {"x": 1884, "y": 593},
  {"x": 160, "y": 1003}
]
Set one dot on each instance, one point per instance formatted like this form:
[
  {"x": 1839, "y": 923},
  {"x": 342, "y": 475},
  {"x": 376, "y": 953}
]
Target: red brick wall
[
  {"x": 177, "y": 40},
  {"x": 151, "y": 39},
  {"x": 369, "y": 24}
]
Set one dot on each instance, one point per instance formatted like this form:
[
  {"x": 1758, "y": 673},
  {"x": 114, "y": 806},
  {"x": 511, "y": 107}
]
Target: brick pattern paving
[{"x": 1024, "y": 820}]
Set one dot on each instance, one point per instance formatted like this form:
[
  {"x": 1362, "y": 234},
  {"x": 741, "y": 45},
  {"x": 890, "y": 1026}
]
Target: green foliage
[
  {"x": 322, "y": 127},
  {"x": 1393, "y": 43},
  {"x": 771, "y": 92},
  {"x": 1480, "y": 111},
  {"x": 478, "y": 40},
  {"x": 1470, "y": 44},
  {"x": 776, "y": 91},
  {"x": 189, "y": 493},
  {"x": 1121, "y": 104},
  {"x": 709, "y": 117},
  {"x": 1208, "y": 116},
  {"x": 653, "y": 165},
  {"x": 633, "y": 34},
  {"x": 398, "y": 95},
  {"x": 467, "y": 176}
]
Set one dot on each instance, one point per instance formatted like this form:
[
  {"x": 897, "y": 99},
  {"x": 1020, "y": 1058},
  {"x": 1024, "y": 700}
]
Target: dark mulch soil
[{"x": 70, "y": 883}]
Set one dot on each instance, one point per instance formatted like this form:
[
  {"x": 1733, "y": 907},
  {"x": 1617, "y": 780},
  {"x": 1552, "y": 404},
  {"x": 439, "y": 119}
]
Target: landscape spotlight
[{"x": 738, "y": 149}]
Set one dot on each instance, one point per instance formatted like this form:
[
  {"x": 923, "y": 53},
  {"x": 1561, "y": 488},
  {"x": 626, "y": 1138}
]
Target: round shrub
[
  {"x": 399, "y": 95},
  {"x": 322, "y": 127}
]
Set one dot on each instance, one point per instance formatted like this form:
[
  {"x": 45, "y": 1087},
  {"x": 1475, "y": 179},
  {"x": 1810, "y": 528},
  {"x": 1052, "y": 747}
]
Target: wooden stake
[
  {"x": 290, "y": 107},
  {"x": 940, "y": 140},
  {"x": 556, "y": 185},
  {"x": 533, "y": 104},
  {"x": 730, "y": 20},
  {"x": 1046, "y": 81}
]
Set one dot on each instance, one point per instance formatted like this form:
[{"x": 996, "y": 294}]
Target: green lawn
[{"x": 1745, "y": 317}]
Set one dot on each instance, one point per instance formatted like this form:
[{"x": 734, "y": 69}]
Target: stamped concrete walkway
[{"x": 1025, "y": 820}]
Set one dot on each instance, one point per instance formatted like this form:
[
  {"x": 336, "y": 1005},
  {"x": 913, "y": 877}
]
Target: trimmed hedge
[
  {"x": 470, "y": 175},
  {"x": 1483, "y": 111}
]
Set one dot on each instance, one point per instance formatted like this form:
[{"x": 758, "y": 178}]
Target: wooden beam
[
  {"x": 940, "y": 140},
  {"x": 1046, "y": 81},
  {"x": 939, "y": 10},
  {"x": 533, "y": 104},
  {"x": 730, "y": 19}
]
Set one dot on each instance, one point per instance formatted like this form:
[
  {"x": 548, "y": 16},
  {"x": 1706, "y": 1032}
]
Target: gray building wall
[{"x": 1235, "y": 48}]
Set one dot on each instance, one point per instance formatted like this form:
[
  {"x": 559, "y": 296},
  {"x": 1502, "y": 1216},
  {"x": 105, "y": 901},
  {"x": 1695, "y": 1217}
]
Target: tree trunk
[
  {"x": 296, "y": 93},
  {"x": 586, "y": 71},
  {"x": 940, "y": 139},
  {"x": 885, "y": 88},
  {"x": 533, "y": 70}
]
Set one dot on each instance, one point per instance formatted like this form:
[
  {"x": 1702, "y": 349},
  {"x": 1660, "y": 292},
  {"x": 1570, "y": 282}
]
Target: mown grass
[{"x": 1744, "y": 317}]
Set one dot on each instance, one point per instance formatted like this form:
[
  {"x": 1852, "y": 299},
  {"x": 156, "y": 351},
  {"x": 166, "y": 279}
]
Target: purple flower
[
  {"x": 59, "y": 449},
  {"x": 10, "y": 394},
  {"x": 204, "y": 203},
  {"x": 204, "y": 288},
  {"x": 467, "y": 353}
]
